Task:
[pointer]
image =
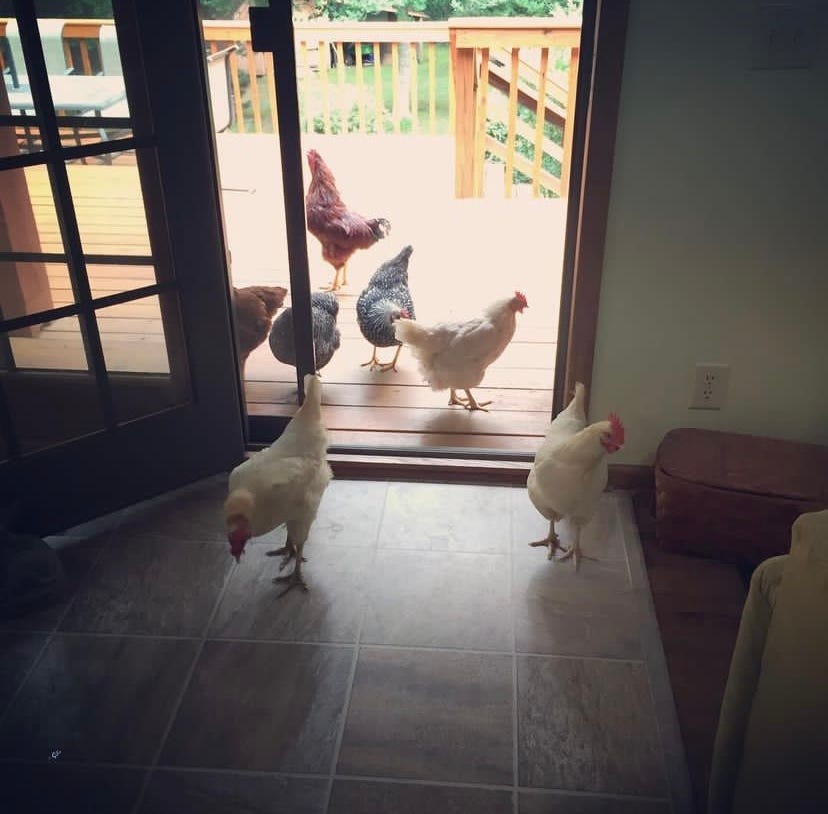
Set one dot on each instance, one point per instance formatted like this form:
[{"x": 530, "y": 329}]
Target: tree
[{"x": 443, "y": 9}]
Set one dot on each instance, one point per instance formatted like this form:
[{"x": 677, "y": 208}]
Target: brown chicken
[
  {"x": 254, "y": 308},
  {"x": 340, "y": 231}
]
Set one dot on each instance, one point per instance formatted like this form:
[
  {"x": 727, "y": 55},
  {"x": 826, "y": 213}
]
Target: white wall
[{"x": 717, "y": 242}]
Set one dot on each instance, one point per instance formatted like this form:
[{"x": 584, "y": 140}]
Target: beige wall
[{"x": 717, "y": 242}]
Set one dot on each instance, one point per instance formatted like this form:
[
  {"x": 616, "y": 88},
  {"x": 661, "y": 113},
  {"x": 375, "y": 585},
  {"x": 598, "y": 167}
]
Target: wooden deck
[{"x": 466, "y": 254}]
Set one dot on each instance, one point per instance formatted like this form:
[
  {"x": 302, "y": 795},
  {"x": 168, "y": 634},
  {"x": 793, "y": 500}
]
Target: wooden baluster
[
  {"x": 414, "y": 67},
  {"x": 511, "y": 123},
  {"x": 432, "y": 88},
  {"x": 307, "y": 87},
  {"x": 452, "y": 91},
  {"x": 324, "y": 56},
  {"x": 236, "y": 85},
  {"x": 340, "y": 86},
  {"x": 360, "y": 84},
  {"x": 395, "y": 85},
  {"x": 379, "y": 102},
  {"x": 270, "y": 81},
  {"x": 255, "y": 102},
  {"x": 574, "y": 60},
  {"x": 540, "y": 120},
  {"x": 480, "y": 123}
]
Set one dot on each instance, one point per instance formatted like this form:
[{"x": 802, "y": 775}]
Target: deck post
[
  {"x": 462, "y": 60},
  {"x": 23, "y": 290},
  {"x": 569, "y": 126}
]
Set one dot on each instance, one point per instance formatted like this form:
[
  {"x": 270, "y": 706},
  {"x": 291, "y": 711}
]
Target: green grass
[{"x": 314, "y": 102}]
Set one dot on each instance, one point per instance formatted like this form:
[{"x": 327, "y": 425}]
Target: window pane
[
  {"x": 30, "y": 287},
  {"x": 22, "y": 139},
  {"x": 49, "y": 409},
  {"x": 110, "y": 206},
  {"x": 29, "y": 221},
  {"x": 132, "y": 335},
  {"x": 56, "y": 345},
  {"x": 115, "y": 279},
  {"x": 72, "y": 136}
]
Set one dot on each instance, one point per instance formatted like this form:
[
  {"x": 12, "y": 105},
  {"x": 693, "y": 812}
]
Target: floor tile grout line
[
  {"x": 677, "y": 781},
  {"x": 399, "y": 781},
  {"x": 346, "y": 707},
  {"x": 515, "y": 717},
  {"x": 185, "y": 686},
  {"x": 50, "y": 635}
]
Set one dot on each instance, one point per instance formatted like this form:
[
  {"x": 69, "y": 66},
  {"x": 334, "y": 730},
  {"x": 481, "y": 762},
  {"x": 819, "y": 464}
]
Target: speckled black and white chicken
[
  {"x": 385, "y": 299},
  {"x": 326, "y": 337}
]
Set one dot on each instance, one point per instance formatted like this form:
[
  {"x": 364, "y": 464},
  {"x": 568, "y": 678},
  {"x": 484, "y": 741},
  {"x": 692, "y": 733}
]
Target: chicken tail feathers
[
  {"x": 313, "y": 390},
  {"x": 380, "y": 227},
  {"x": 412, "y": 333},
  {"x": 575, "y": 408}
]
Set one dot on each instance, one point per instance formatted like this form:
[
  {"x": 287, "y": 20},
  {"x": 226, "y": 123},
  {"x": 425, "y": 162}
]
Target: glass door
[
  {"x": 118, "y": 372},
  {"x": 450, "y": 140}
]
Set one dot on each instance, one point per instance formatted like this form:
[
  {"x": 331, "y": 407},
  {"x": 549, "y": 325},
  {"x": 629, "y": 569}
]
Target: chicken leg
[
  {"x": 469, "y": 402},
  {"x": 575, "y": 550},
  {"x": 294, "y": 578},
  {"x": 287, "y": 552},
  {"x": 340, "y": 279},
  {"x": 297, "y": 535},
  {"x": 551, "y": 541},
  {"x": 383, "y": 366}
]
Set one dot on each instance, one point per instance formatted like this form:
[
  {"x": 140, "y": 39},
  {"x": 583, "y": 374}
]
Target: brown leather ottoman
[{"x": 734, "y": 497}]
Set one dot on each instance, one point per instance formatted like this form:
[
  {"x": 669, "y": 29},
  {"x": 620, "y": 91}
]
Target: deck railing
[{"x": 504, "y": 87}]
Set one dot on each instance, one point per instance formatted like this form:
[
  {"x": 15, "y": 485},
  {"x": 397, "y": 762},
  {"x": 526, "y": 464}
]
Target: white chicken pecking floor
[{"x": 437, "y": 664}]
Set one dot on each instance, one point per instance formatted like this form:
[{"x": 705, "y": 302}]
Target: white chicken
[
  {"x": 455, "y": 355},
  {"x": 570, "y": 470},
  {"x": 282, "y": 484}
]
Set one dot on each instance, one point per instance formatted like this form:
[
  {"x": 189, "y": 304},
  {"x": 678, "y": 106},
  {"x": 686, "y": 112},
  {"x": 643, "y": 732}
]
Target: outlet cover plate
[
  {"x": 710, "y": 386},
  {"x": 784, "y": 35}
]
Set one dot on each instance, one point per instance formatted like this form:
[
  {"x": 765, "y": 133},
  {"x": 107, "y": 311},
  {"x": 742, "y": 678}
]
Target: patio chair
[
  {"x": 51, "y": 38},
  {"x": 221, "y": 96}
]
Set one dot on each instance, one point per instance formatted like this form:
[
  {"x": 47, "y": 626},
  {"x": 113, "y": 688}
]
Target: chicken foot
[
  {"x": 575, "y": 551},
  {"x": 551, "y": 541},
  {"x": 287, "y": 552},
  {"x": 293, "y": 579},
  {"x": 383, "y": 366},
  {"x": 469, "y": 402},
  {"x": 340, "y": 279}
]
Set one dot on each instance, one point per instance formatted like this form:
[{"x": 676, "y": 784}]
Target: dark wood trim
[
  {"x": 590, "y": 191},
  {"x": 371, "y": 467},
  {"x": 493, "y": 473}
]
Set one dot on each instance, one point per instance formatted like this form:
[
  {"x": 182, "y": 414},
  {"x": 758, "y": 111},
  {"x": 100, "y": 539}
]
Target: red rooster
[{"x": 340, "y": 231}]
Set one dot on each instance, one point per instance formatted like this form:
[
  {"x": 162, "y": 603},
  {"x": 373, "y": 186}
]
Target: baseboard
[
  {"x": 374, "y": 467},
  {"x": 496, "y": 473},
  {"x": 631, "y": 476}
]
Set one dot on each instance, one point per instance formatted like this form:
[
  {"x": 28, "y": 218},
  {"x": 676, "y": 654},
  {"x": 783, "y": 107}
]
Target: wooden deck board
[{"x": 466, "y": 254}]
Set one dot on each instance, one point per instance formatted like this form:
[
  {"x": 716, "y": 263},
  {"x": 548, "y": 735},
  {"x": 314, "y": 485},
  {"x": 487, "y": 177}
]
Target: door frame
[
  {"x": 603, "y": 41},
  {"x": 602, "y": 50},
  {"x": 132, "y": 460}
]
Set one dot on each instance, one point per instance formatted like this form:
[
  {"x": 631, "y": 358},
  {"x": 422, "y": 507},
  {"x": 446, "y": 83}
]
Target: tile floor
[{"x": 437, "y": 664}]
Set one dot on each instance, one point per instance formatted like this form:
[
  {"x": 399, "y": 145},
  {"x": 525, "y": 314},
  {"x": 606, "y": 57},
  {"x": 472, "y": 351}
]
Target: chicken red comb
[
  {"x": 521, "y": 298},
  {"x": 616, "y": 429}
]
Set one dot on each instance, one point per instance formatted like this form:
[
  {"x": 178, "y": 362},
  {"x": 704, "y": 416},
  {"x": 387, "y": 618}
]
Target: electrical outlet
[
  {"x": 710, "y": 386},
  {"x": 784, "y": 35}
]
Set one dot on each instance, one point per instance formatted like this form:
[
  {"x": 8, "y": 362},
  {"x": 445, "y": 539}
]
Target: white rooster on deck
[
  {"x": 455, "y": 355},
  {"x": 282, "y": 484},
  {"x": 570, "y": 470}
]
